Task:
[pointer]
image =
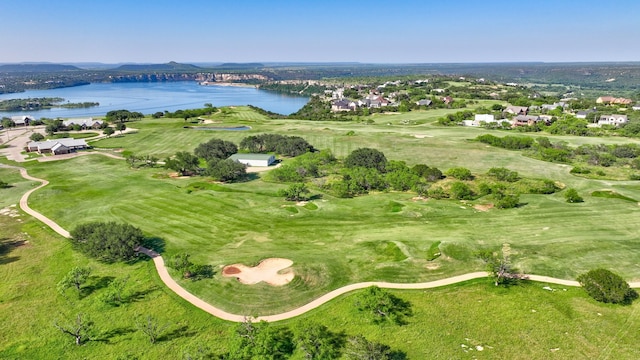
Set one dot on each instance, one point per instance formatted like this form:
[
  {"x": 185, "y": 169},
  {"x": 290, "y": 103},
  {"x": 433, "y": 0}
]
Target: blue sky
[{"x": 319, "y": 31}]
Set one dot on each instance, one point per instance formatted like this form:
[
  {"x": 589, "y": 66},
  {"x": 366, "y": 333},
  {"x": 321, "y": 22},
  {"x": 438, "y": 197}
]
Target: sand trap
[
  {"x": 483, "y": 207},
  {"x": 269, "y": 271}
]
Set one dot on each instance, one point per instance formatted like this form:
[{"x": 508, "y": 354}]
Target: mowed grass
[
  {"x": 523, "y": 322},
  {"x": 339, "y": 242}
]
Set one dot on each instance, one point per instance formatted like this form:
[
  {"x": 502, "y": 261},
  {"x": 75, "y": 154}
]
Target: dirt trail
[{"x": 201, "y": 304}]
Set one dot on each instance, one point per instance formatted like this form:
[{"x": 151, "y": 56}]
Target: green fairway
[
  {"x": 344, "y": 240},
  {"x": 333, "y": 242}
]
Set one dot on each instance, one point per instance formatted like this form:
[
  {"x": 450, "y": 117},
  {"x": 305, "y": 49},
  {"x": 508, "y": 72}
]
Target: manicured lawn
[
  {"x": 343, "y": 241},
  {"x": 385, "y": 236}
]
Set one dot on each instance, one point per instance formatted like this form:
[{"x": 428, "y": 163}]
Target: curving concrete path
[{"x": 201, "y": 304}]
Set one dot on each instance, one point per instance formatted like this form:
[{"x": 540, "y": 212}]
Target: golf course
[{"x": 331, "y": 242}]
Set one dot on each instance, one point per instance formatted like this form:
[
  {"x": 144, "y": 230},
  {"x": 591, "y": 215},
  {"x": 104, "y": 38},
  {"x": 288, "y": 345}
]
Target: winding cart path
[{"x": 183, "y": 293}]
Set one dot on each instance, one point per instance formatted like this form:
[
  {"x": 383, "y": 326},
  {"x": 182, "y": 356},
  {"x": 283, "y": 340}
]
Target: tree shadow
[
  {"x": 181, "y": 331},
  {"x": 6, "y": 247},
  {"x": 315, "y": 197},
  {"x": 96, "y": 283},
  {"x": 398, "y": 355},
  {"x": 107, "y": 336},
  {"x": 154, "y": 243},
  {"x": 139, "y": 295}
]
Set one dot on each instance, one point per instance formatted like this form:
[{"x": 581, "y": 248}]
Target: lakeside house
[
  {"x": 22, "y": 120},
  {"x": 424, "y": 102},
  {"x": 85, "y": 123},
  {"x": 614, "y": 119},
  {"x": 57, "y": 146},
  {"x": 343, "y": 105},
  {"x": 254, "y": 159}
]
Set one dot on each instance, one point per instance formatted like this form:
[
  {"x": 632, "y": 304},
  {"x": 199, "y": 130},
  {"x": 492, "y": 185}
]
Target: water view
[{"x": 149, "y": 98}]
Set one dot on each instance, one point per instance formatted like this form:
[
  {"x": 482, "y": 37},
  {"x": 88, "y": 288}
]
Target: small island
[{"x": 41, "y": 103}]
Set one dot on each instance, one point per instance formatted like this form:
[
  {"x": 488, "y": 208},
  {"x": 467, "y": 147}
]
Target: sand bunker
[{"x": 273, "y": 271}]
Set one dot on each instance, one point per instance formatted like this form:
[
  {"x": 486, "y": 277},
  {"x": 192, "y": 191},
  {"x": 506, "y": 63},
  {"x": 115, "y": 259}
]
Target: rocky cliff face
[
  {"x": 199, "y": 77},
  {"x": 227, "y": 77}
]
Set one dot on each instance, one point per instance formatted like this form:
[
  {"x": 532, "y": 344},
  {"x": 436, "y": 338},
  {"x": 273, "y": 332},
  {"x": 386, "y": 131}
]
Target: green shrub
[
  {"x": 580, "y": 170},
  {"x": 608, "y": 287},
  {"x": 460, "y": 173},
  {"x": 572, "y": 196},
  {"x": 461, "y": 191},
  {"x": 503, "y": 174},
  {"x": 631, "y": 177}
]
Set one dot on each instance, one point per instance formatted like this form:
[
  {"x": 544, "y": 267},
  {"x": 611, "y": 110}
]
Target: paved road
[{"x": 183, "y": 293}]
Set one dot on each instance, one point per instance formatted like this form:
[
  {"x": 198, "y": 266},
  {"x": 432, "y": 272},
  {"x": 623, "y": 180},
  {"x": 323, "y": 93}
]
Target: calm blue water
[{"x": 149, "y": 98}]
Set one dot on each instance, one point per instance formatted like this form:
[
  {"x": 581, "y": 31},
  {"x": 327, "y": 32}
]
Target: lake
[{"x": 149, "y": 98}]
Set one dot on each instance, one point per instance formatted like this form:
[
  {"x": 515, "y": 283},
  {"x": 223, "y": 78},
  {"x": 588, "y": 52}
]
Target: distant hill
[
  {"x": 39, "y": 68},
  {"x": 241, "y": 65},
  {"x": 171, "y": 66}
]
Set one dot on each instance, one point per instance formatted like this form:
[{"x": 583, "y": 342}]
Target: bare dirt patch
[
  {"x": 273, "y": 271},
  {"x": 483, "y": 207}
]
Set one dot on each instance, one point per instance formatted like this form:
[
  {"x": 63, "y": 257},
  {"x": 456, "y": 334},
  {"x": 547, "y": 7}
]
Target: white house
[
  {"x": 58, "y": 146},
  {"x": 636, "y": 107},
  {"x": 613, "y": 119},
  {"x": 479, "y": 119},
  {"x": 254, "y": 159},
  {"x": 84, "y": 123}
]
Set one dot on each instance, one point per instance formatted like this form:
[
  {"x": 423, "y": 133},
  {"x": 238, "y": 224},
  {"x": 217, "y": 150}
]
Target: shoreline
[{"x": 214, "y": 83}]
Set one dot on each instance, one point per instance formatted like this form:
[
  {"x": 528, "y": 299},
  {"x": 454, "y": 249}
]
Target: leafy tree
[
  {"x": 317, "y": 342},
  {"x": 383, "y": 306},
  {"x": 151, "y": 327},
  {"x": 460, "y": 173},
  {"x": 121, "y": 127},
  {"x": 107, "y": 241},
  {"x": 75, "y": 278},
  {"x": 359, "y": 348},
  {"x": 36, "y": 137},
  {"x": 119, "y": 115},
  {"x": 572, "y": 196},
  {"x": 215, "y": 149},
  {"x": 183, "y": 162},
  {"x": 295, "y": 192},
  {"x": 367, "y": 158},
  {"x": 108, "y": 131},
  {"x": 226, "y": 170},
  {"x": 460, "y": 191},
  {"x": 500, "y": 269},
  {"x": 81, "y": 329},
  {"x": 608, "y": 287},
  {"x": 115, "y": 292},
  {"x": 261, "y": 341},
  {"x": 189, "y": 270}
]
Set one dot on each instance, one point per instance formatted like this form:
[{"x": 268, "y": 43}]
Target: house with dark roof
[
  {"x": 525, "y": 120},
  {"x": 516, "y": 110},
  {"x": 584, "y": 113},
  {"x": 22, "y": 120}
]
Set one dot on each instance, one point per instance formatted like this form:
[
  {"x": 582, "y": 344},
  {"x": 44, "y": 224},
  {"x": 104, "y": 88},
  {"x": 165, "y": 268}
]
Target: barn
[{"x": 254, "y": 159}]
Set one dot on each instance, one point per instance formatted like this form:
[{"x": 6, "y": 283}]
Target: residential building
[
  {"x": 254, "y": 159},
  {"x": 57, "y": 146},
  {"x": 614, "y": 119}
]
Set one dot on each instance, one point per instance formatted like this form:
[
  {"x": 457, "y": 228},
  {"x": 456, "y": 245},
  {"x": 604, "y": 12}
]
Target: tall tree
[
  {"x": 215, "y": 149},
  {"x": 383, "y": 306}
]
